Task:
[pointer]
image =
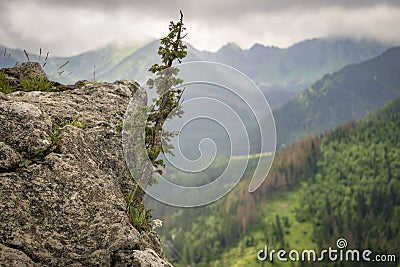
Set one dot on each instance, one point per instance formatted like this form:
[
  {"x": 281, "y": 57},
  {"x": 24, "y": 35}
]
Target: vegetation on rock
[
  {"x": 166, "y": 105},
  {"x": 27, "y": 77}
]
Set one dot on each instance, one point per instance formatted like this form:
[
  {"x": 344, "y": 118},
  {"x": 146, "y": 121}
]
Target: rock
[
  {"x": 26, "y": 70},
  {"x": 9, "y": 158},
  {"x": 14, "y": 258},
  {"x": 65, "y": 205},
  {"x": 24, "y": 127},
  {"x": 139, "y": 258}
]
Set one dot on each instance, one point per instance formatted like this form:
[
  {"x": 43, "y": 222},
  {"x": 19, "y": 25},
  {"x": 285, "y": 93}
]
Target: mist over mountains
[{"x": 280, "y": 73}]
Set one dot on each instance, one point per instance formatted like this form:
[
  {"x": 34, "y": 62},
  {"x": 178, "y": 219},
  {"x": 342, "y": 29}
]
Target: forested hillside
[
  {"x": 343, "y": 96},
  {"x": 355, "y": 190},
  {"x": 343, "y": 184}
]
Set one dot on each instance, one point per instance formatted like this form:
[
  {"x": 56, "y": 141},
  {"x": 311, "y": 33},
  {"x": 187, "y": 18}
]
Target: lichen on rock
[{"x": 65, "y": 206}]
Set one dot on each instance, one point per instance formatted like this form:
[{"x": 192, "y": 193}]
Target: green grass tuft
[
  {"x": 139, "y": 217},
  {"x": 4, "y": 86},
  {"x": 119, "y": 127},
  {"x": 37, "y": 83},
  {"x": 59, "y": 124}
]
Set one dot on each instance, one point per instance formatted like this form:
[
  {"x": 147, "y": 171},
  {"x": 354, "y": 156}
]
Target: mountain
[
  {"x": 299, "y": 64},
  {"x": 340, "y": 97},
  {"x": 79, "y": 67},
  {"x": 283, "y": 73},
  {"x": 343, "y": 184},
  {"x": 354, "y": 193},
  {"x": 280, "y": 73}
]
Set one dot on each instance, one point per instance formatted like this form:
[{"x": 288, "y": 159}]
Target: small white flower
[{"x": 157, "y": 223}]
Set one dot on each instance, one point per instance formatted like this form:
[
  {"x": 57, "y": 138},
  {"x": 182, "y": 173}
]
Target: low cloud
[{"x": 70, "y": 27}]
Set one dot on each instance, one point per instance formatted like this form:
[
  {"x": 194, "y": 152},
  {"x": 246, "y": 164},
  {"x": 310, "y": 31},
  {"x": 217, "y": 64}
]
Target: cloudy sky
[{"x": 67, "y": 27}]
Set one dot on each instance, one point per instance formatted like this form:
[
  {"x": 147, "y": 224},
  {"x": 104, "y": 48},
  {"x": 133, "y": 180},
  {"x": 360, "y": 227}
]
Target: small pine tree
[{"x": 167, "y": 105}]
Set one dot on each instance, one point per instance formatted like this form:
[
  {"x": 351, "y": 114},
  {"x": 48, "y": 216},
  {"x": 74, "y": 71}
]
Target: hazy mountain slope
[
  {"x": 345, "y": 95},
  {"x": 299, "y": 64},
  {"x": 280, "y": 73},
  {"x": 79, "y": 67},
  {"x": 101, "y": 61}
]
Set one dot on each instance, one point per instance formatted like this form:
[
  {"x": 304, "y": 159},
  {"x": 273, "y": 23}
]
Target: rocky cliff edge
[{"x": 64, "y": 179}]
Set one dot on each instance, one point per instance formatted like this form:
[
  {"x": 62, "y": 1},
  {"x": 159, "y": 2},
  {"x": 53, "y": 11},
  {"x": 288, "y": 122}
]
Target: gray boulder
[
  {"x": 62, "y": 188},
  {"x": 26, "y": 70}
]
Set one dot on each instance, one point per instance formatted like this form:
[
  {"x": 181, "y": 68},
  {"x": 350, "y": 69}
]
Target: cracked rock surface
[{"x": 62, "y": 193}]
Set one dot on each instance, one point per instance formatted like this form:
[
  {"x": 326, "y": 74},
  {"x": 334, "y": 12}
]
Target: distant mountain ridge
[
  {"x": 79, "y": 67},
  {"x": 280, "y": 73},
  {"x": 283, "y": 73},
  {"x": 348, "y": 94}
]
